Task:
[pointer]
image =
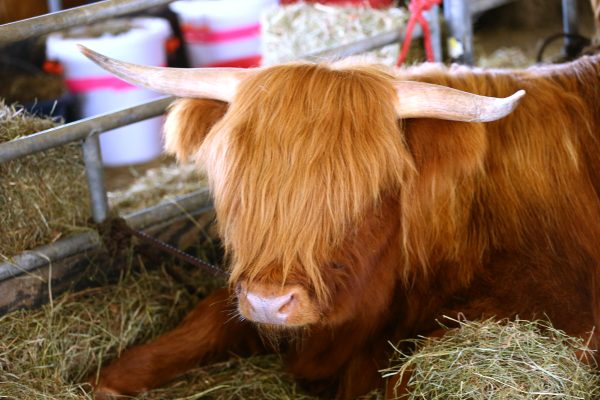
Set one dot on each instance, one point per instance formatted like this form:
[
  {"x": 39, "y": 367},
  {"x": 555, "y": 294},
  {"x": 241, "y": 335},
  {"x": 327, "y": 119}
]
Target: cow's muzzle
[{"x": 286, "y": 306}]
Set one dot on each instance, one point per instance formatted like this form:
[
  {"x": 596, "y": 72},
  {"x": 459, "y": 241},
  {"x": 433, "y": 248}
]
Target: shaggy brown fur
[
  {"x": 392, "y": 224},
  {"x": 314, "y": 136}
]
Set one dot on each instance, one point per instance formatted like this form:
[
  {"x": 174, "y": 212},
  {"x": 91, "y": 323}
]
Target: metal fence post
[
  {"x": 54, "y": 6},
  {"x": 95, "y": 176},
  {"x": 433, "y": 17},
  {"x": 569, "y": 22},
  {"x": 459, "y": 19}
]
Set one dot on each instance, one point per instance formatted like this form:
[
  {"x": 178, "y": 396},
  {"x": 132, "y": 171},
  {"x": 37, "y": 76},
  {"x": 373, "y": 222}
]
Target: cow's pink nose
[
  {"x": 274, "y": 305},
  {"x": 271, "y": 310}
]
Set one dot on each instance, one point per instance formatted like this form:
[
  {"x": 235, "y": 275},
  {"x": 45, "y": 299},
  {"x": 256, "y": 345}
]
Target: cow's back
[{"x": 528, "y": 214}]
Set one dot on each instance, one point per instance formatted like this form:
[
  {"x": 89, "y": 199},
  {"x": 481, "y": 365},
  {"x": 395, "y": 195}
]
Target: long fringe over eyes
[{"x": 303, "y": 154}]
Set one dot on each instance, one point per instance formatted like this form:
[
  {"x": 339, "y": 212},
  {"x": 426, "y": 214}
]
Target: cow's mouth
[{"x": 284, "y": 306}]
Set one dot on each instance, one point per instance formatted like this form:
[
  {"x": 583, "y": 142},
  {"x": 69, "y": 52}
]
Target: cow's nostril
[{"x": 286, "y": 307}]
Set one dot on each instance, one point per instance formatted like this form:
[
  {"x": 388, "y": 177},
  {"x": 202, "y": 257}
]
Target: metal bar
[
  {"x": 459, "y": 19},
  {"x": 79, "y": 130},
  {"x": 30, "y": 260},
  {"x": 47, "y": 23},
  {"x": 433, "y": 17},
  {"x": 92, "y": 158},
  {"x": 163, "y": 212},
  {"x": 191, "y": 205},
  {"x": 569, "y": 16},
  {"x": 479, "y": 6},
  {"x": 359, "y": 46},
  {"x": 569, "y": 21},
  {"x": 54, "y": 6}
]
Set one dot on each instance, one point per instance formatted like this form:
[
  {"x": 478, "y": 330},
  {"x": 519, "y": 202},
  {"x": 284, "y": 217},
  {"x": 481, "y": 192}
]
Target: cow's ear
[
  {"x": 187, "y": 124},
  {"x": 445, "y": 150}
]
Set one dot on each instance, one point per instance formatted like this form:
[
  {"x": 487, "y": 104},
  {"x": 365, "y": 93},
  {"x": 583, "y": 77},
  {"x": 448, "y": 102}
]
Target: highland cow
[{"x": 358, "y": 204}]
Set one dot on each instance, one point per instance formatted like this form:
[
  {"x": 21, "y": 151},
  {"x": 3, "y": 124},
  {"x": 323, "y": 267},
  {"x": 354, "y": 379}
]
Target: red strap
[{"x": 416, "y": 8}]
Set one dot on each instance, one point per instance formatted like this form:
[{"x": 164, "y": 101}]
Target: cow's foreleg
[{"x": 208, "y": 333}]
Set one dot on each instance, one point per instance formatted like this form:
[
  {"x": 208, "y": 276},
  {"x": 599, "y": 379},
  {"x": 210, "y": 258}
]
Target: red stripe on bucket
[
  {"x": 202, "y": 34},
  {"x": 80, "y": 85},
  {"x": 89, "y": 83},
  {"x": 245, "y": 62}
]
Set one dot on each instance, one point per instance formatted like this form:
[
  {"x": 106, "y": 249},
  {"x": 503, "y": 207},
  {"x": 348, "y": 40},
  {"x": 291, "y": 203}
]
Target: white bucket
[
  {"x": 221, "y": 33},
  {"x": 100, "y": 92}
]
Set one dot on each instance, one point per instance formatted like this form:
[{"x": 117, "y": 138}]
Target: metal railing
[
  {"x": 86, "y": 130},
  {"x": 192, "y": 205},
  {"x": 57, "y": 21}
]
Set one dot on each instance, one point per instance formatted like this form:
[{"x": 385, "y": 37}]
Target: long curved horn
[
  {"x": 426, "y": 100},
  {"x": 212, "y": 83}
]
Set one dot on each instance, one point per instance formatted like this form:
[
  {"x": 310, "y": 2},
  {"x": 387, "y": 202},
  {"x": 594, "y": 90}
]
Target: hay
[
  {"x": 292, "y": 31},
  {"x": 505, "y": 57},
  {"x": 506, "y": 360},
  {"x": 26, "y": 88},
  {"x": 237, "y": 379},
  {"x": 57, "y": 347},
  {"x": 112, "y": 27},
  {"x": 43, "y": 197},
  {"x": 47, "y": 353},
  {"x": 157, "y": 185}
]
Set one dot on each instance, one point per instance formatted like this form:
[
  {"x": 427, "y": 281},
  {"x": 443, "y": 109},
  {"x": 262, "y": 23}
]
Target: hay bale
[
  {"x": 291, "y": 31},
  {"x": 27, "y": 88},
  {"x": 111, "y": 27},
  {"x": 505, "y": 57},
  {"x": 42, "y": 196},
  {"x": 260, "y": 377},
  {"x": 157, "y": 185},
  {"x": 498, "y": 360},
  {"x": 47, "y": 353}
]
